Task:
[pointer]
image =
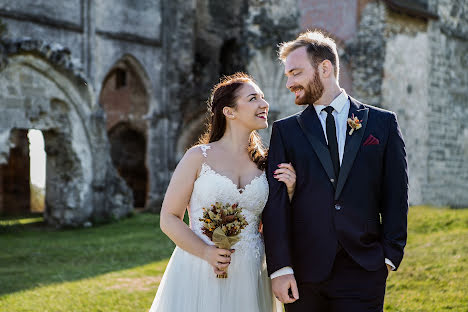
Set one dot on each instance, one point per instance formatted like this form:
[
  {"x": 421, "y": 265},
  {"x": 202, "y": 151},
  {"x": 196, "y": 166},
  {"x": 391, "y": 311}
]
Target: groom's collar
[{"x": 338, "y": 103}]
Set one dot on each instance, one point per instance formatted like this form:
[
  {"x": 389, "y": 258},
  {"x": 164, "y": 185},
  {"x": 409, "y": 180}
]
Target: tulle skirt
[{"x": 189, "y": 284}]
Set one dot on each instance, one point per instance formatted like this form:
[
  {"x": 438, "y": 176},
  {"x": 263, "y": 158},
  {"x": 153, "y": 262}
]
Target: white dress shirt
[{"x": 341, "y": 106}]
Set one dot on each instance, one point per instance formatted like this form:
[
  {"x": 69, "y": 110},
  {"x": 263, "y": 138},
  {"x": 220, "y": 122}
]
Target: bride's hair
[{"x": 224, "y": 94}]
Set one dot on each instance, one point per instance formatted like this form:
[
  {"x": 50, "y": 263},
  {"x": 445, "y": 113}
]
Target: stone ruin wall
[
  {"x": 418, "y": 68},
  {"x": 191, "y": 43},
  {"x": 42, "y": 89},
  {"x": 104, "y": 36},
  {"x": 415, "y": 66},
  {"x": 447, "y": 175}
]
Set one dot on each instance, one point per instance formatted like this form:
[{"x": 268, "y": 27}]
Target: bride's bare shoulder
[
  {"x": 195, "y": 154},
  {"x": 194, "y": 158}
]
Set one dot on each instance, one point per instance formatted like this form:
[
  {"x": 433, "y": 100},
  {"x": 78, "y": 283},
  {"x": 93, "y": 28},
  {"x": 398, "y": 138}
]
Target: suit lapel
[
  {"x": 312, "y": 128},
  {"x": 353, "y": 142}
]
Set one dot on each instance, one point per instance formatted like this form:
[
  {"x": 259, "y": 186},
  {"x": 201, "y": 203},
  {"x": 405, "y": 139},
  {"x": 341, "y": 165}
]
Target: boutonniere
[{"x": 354, "y": 123}]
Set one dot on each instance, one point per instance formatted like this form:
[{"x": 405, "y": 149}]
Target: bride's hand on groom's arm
[
  {"x": 286, "y": 174},
  {"x": 281, "y": 286},
  {"x": 218, "y": 258}
]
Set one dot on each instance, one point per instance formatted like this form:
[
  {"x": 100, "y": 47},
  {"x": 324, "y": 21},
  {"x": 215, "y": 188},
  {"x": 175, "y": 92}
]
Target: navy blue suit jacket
[{"x": 364, "y": 209}]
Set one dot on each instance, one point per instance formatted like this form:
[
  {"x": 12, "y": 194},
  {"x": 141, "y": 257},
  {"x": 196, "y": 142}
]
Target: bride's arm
[{"x": 173, "y": 209}]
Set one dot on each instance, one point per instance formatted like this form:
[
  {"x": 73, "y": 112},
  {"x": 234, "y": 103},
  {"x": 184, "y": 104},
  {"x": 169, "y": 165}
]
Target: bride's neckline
[{"x": 240, "y": 190}]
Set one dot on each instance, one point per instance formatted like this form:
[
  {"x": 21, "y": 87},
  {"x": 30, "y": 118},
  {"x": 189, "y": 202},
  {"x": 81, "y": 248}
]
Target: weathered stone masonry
[
  {"x": 409, "y": 57},
  {"x": 41, "y": 88}
]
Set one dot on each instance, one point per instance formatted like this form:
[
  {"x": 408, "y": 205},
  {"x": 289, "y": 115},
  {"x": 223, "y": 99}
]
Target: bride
[{"x": 227, "y": 167}]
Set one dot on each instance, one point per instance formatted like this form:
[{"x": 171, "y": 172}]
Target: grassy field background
[{"x": 118, "y": 266}]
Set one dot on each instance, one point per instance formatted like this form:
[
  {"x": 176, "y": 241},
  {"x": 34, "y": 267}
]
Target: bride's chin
[{"x": 264, "y": 126}]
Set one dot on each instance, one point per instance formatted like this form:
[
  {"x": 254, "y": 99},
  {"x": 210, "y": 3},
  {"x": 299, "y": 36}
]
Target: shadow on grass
[{"x": 34, "y": 255}]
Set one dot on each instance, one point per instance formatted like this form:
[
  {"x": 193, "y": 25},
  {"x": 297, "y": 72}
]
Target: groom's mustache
[{"x": 296, "y": 88}]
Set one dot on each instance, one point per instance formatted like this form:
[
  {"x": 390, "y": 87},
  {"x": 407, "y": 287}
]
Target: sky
[{"x": 38, "y": 157}]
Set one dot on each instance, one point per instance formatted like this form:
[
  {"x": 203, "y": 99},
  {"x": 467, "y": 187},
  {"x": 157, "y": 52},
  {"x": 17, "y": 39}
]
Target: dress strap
[{"x": 204, "y": 148}]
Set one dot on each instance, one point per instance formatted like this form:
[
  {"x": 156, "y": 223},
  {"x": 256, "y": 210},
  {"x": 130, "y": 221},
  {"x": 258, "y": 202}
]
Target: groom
[{"x": 331, "y": 247}]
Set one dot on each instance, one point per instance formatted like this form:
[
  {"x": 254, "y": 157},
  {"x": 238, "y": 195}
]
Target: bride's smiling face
[{"x": 251, "y": 110}]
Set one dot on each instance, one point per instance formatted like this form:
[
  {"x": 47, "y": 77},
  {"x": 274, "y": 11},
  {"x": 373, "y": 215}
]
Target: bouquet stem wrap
[{"x": 225, "y": 242}]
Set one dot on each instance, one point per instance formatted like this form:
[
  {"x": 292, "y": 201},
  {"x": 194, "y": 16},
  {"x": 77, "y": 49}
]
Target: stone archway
[
  {"x": 190, "y": 135},
  {"x": 14, "y": 176},
  {"x": 22, "y": 187},
  {"x": 40, "y": 88},
  {"x": 125, "y": 99},
  {"x": 128, "y": 149},
  {"x": 124, "y": 94}
]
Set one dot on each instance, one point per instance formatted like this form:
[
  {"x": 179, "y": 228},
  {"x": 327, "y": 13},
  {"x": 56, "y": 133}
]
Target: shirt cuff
[
  {"x": 281, "y": 272},
  {"x": 389, "y": 262}
]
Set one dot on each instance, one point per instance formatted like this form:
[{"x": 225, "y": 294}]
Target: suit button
[
  {"x": 332, "y": 180},
  {"x": 337, "y": 207}
]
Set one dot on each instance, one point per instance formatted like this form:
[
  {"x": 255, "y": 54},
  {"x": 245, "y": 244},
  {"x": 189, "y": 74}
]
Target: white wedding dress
[{"x": 189, "y": 283}]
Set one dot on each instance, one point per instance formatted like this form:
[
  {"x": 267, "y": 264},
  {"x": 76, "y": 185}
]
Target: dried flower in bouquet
[{"x": 223, "y": 224}]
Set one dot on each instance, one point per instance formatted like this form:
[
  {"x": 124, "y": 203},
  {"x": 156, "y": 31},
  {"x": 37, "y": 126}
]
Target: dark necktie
[{"x": 332, "y": 141}]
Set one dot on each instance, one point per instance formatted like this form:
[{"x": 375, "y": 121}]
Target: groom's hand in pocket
[{"x": 285, "y": 288}]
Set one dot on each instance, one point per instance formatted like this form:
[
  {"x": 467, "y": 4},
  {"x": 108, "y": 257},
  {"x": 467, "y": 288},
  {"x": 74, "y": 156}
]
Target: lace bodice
[{"x": 211, "y": 187}]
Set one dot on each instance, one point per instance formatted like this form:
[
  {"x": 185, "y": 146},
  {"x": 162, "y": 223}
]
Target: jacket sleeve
[
  {"x": 395, "y": 194},
  {"x": 276, "y": 214}
]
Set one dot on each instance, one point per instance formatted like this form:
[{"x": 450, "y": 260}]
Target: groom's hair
[{"x": 319, "y": 47}]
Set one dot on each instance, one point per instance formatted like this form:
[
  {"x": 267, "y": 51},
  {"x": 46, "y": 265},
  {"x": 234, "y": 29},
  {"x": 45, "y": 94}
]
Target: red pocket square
[{"x": 371, "y": 140}]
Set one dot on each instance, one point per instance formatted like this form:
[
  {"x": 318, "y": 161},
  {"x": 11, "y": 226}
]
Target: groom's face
[{"x": 303, "y": 79}]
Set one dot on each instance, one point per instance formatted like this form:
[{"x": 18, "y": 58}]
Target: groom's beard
[{"x": 312, "y": 91}]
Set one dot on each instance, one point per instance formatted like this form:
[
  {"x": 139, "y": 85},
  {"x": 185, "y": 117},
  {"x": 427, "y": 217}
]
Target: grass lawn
[
  {"x": 118, "y": 266},
  {"x": 113, "y": 267},
  {"x": 433, "y": 276}
]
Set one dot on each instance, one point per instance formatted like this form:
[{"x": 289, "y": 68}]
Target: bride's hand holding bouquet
[
  {"x": 222, "y": 224},
  {"x": 218, "y": 258}
]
